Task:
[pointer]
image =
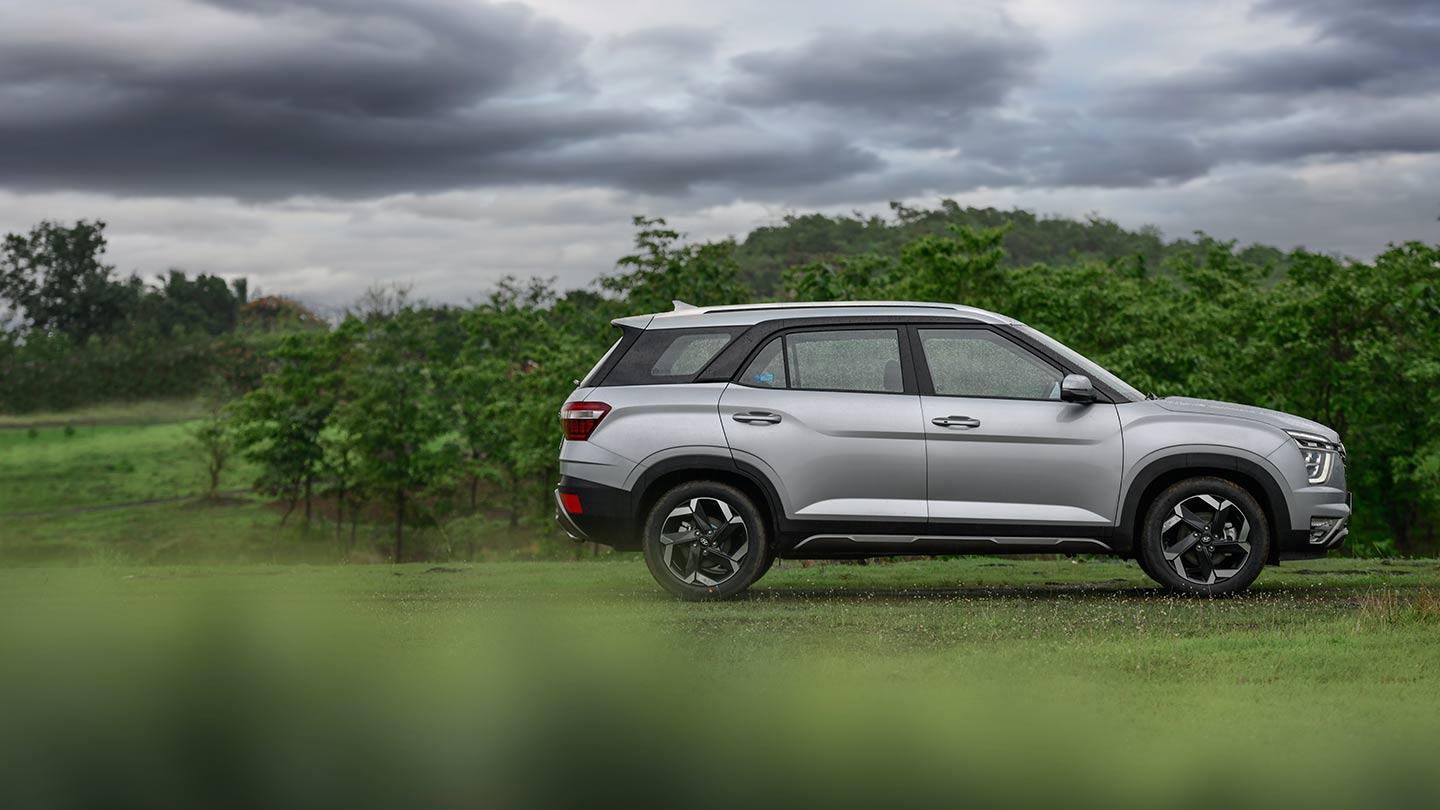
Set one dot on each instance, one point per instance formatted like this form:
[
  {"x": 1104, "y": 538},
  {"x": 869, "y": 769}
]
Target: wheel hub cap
[
  {"x": 1206, "y": 539},
  {"x": 705, "y": 540}
]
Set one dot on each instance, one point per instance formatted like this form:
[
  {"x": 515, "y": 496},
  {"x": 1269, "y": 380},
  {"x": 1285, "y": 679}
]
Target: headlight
[{"x": 1319, "y": 454}]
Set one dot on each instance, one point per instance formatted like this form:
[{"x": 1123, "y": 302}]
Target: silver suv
[{"x": 717, "y": 439}]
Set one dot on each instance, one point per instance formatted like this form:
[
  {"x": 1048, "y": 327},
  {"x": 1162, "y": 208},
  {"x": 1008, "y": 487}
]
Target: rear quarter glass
[{"x": 670, "y": 356}]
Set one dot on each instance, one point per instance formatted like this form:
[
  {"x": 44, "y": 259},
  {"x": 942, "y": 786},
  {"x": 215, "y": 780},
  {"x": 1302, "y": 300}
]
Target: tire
[
  {"x": 769, "y": 563},
  {"x": 1204, "y": 536},
  {"x": 705, "y": 540},
  {"x": 1145, "y": 566}
]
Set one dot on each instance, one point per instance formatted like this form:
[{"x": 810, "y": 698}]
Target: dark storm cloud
[
  {"x": 925, "y": 76},
  {"x": 352, "y": 99},
  {"x": 1397, "y": 132},
  {"x": 1062, "y": 149},
  {"x": 1375, "y": 49}
]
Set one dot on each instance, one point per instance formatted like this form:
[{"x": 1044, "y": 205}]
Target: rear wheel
[
  {"x": 705, "y": 540},
  {"x": 1205, "y": 536}
]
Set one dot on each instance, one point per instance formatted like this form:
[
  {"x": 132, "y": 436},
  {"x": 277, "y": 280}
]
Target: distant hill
[{"x": 767, "y": 251}]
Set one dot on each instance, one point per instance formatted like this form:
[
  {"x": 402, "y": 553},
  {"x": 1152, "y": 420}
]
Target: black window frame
[{"x": 908, "y": 379}]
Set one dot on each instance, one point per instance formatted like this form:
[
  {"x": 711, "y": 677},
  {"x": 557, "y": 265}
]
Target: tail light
[{"x": 580, "y": 419}]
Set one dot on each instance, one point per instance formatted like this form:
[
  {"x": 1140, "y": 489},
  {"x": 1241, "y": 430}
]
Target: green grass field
[
  {"x": 1001, "y": 680},
  {"x": 273, "y": 675},
  {"x": 123, "y": 484}
]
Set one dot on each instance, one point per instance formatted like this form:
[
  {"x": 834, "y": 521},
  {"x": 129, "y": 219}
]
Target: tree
[
  {"x": 393, "y": 412},
  {"x": 662, "y": 270},
  {"x": 214, "y": 443},
  {"x": 279, "y": 424},
  {"x": 55, "y": 279},
  {"x": 520, "y": 362},
  {"x": 203, "y": 305}
]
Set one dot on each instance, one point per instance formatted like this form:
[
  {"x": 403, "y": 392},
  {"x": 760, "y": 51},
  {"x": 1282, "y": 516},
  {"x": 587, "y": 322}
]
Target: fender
[
  {"x": 1273, "y": 499},
  {"x": 698, "y": 461}
]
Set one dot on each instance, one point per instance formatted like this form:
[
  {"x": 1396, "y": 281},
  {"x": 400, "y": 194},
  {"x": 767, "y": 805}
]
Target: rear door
[
  {"x": 1002, "y": 449},
  {"x": 833, "y": 417}
]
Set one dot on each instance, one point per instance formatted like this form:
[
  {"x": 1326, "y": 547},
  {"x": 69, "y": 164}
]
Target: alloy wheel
[
  {"x": 1206, "y": 539},
  {"x": 705, "y": 540}
]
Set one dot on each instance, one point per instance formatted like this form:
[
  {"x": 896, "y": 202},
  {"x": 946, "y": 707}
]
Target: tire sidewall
[
  {"x": 751, "y": 568},
  {"x": 1152, "y": 546}
]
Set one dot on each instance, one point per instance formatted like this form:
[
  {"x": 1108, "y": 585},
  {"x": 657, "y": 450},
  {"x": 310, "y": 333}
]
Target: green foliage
[
  {"x": 662, "y": 270},
  {"x": 517, "y": 365},
  {"x": 278, "y": 425},
  {"x": 54, "y": 279},
  {"x": 73, "y": 333},
  {"x": 214, "y": 444},
  {"x": 802, "y": 239},
  {"x": 392, "y": 412}
]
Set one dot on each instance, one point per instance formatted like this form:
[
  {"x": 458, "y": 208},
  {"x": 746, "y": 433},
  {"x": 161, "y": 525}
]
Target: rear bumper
[{"x": 605, "y": 514}]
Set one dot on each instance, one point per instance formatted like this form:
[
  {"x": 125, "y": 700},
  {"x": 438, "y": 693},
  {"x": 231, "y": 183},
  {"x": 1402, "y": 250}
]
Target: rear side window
[
  {"x": 843, "y": 360},
  {"x": 663, "y": 356},
  {"x": 850, "y": 360}
]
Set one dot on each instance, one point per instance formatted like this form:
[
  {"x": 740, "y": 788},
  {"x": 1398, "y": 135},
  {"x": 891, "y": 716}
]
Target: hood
[{"x": 1279, "y": 419}]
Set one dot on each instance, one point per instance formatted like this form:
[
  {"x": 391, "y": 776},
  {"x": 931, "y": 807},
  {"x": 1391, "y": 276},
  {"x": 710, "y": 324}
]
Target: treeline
[
  {"x": 412, "y": 413},
  {"x": 768, "y": 251},
  {"x": 75, "y": 331}
]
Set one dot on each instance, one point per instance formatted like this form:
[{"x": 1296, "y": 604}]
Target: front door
[
  {"x": 833, "y": 418},
  {"x": 1002, "y": 448}
]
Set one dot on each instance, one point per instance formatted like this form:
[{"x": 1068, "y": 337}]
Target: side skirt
[{"x": 837, "y": 544}]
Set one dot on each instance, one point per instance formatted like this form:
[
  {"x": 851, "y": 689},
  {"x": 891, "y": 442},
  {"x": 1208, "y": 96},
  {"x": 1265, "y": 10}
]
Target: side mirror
[{"x": 1077, "y": 388}]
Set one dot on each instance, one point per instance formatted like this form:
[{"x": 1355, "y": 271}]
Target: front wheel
[
  {"x": 705, "y": 540},
  {"x": 1204, "y": 536}
]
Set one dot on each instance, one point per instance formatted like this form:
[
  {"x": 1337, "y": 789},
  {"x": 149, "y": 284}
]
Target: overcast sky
[{"x": 321, "y": 146}]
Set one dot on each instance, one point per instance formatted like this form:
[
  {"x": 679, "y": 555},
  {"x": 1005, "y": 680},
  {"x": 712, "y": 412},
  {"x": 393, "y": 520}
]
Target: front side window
[
  {"x": 980, "y": 363},
  {"x": 845, "y": 360}
]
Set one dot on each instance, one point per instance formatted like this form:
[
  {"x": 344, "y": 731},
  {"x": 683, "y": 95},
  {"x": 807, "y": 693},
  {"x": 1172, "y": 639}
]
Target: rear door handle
[
  {"x": 957, "y": 422},
  {"x": 757, "y": 418}
]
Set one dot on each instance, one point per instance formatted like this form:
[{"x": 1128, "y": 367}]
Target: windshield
[{"x": 1090, "y": 367}]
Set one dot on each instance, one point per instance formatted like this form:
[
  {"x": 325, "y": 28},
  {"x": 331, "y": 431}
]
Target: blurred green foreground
[{"x": 980, "y": 681}]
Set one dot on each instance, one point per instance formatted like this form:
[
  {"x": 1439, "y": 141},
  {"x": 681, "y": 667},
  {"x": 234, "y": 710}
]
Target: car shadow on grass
[
  {"x": 1098, "y": 590},
  {"x": 1038, "y": 591}
]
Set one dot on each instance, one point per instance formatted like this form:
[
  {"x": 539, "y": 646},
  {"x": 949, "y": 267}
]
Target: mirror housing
[{"x": 1077, "y": 388}]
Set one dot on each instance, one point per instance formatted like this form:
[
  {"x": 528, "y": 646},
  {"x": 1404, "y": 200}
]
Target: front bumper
[
  {"x": 1328, "y": 531},
  {"x": 1327, "y": 524}
]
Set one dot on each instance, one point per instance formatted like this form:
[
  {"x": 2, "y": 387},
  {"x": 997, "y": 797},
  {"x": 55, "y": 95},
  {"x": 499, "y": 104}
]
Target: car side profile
[{"x": 719, "y": 439}]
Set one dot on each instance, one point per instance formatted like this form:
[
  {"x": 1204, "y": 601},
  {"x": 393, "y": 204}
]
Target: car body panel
[
  {"x": 1265, "y": 416},
  {"x": 836, "y": 455},
  {"x": 1032, "y": 462},
  {"x": 645, "y": 422}
]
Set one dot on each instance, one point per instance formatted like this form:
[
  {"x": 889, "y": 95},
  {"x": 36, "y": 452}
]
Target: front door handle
[
  {"x": 957, "y": 422},
  {"x": 757, "y": 418}
]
